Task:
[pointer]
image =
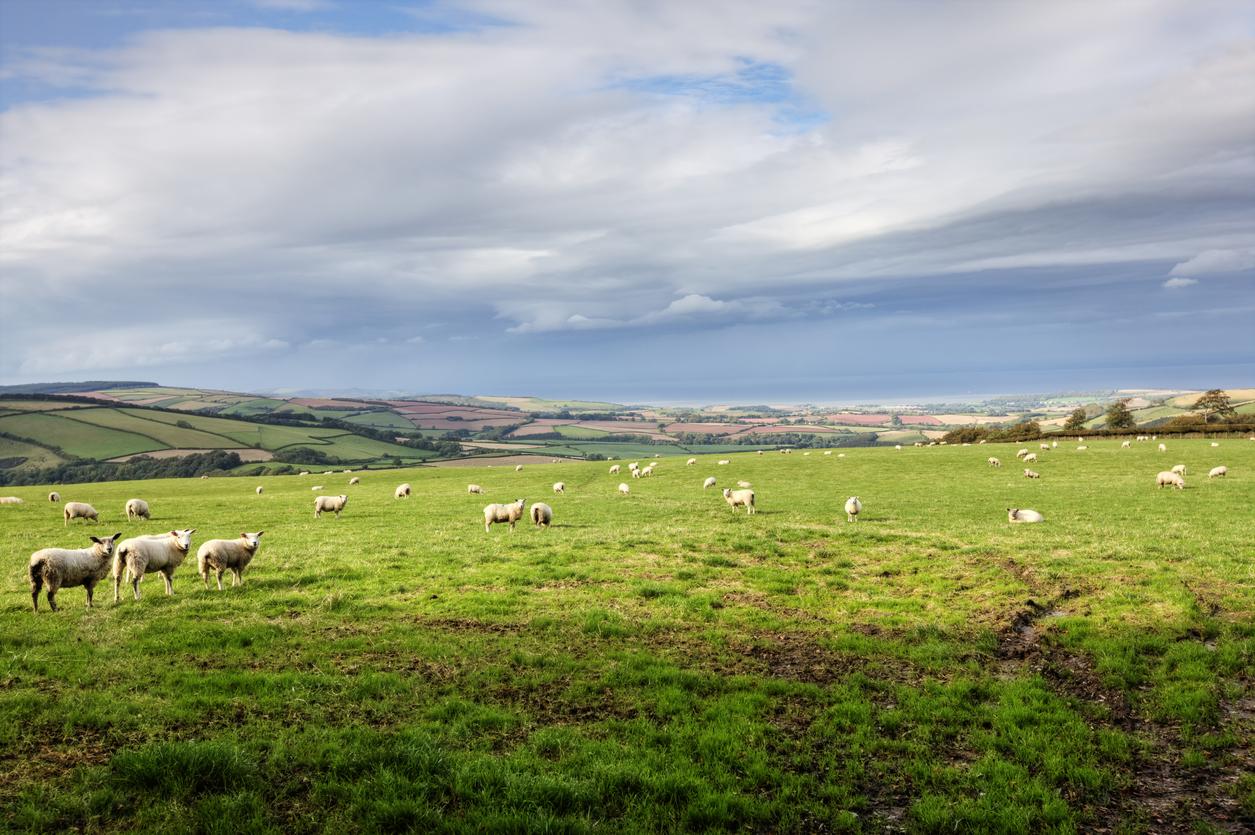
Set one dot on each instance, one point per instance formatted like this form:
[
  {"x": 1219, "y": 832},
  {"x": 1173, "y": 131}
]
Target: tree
[
  {"x": 1119, "y": 416},
  {"x": 1077, "y": 419},
  {"x": 1214, "y": 403}
]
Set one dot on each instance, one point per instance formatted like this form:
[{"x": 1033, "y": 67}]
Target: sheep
[
  {"x": 316, "y": 487},
  {"x": 402, "y": 491},
  {"x": 511, "y": 513},
  {"x": 330, "y": 504},
  {"x": 1054, "y": 444},
  {"x": 786, "y": 452},
  {"x": 1169, "y": 479},
  {"x": 624, "y": 489},
  {"x": 1031, "y": 458},
  {"x": 1031, "y": 473},
  {"x": 54, "y": 497},
  {"x": 1016, "y": 515},
  {"x": 1143, "y": 438},
  {"x": 303, "y": 472},
  {"x": 895, "y": 446},
  {"x": 79, "y": 510},
  {"x": 993, "y": 462},
  {"x": 11, "y": 500},
  {"x": 723, "y": 462},
  {"x": 634, "y": 465},
  {"x": 136, "y": 509},
  {"x": 760, "y": 452},
  {"x": 840, "y": 454},
  {"x": 982, "y": 441},
  {"x": 160, "y": 552},
  {"x": 1163, "y": 447},
  {"x": 542, "y": 515},
  {"x": 1214, "y": 443},
  {"x": 804, "y": 454},
  {"x": 1020, "y": 453},
  {"x": 232, "y": 555},
  {"x": 636, "y": 473},
  {"x": 653, "y": 463},
  {"x": 1044, "y": 446},
  {"x": 827, "y": 452},
  {"x": 739, "y": 498},
  {"x": 518, "y": 468},
  {"x": 204, "y": 478},
  {"x": 1154, "y": 437},
  {"x": 60, "y": 568},
  {"x": 1218, "y": 472},
  {"x": 709, "y": 482},
  {"x": 1126, "y": 444},
  {"x": 1179, "y": 469},
  {"x": 918, "y": 443},
  {"x": 474, "y": 489},
  {"x": 1081, "y": 448},
  {"x": 328, "y": 472},
  {"x": 346, "y": 472},
  {"x": 646, "y": 472},
  {"x": 354, "y": 480},
  {"x": 260, "y": 489},
  {"x": 559, "y": 487},
  {"x": 743, "y": 484},
  {"x": 853, "y": 507},
  {"x": 690, "y": 462},
  {"x": 614, "y": 469}
]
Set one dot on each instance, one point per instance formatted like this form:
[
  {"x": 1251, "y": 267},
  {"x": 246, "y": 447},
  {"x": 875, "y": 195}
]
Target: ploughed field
[{"x": 656, "y": 661}]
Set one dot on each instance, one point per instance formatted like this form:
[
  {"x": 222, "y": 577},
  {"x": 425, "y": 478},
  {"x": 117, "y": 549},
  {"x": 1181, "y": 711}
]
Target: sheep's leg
[
  {"x": 36, "y": 585},
  {"x": 237, "y": 577},
  {"x": 53, "y": 585},
  {"x": 166, "y": 575},
  {"x": 117, "y": 585},
  {"x": 91, "y": 587},
  {"x": 219, "y": 577},
  {"x": 135, "y": 578}
]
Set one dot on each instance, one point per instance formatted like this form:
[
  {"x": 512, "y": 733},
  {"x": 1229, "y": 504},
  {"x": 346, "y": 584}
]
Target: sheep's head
[
  {"x": 106, "y": 543},
  {"x": 252, "y": 539},
  {"x": 183, "y": 538}
]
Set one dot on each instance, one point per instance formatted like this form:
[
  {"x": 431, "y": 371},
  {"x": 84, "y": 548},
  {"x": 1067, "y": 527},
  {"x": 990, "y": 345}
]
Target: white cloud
[
  {"x": 1215, "y": 261},
  {"x": 1178, "y": 283}
]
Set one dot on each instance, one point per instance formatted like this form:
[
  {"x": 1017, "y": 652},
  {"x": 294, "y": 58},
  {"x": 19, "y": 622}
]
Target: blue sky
[{"x": 629, "y": 200}]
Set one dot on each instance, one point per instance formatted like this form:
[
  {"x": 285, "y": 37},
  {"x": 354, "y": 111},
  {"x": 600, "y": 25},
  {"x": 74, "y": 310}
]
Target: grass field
[{"x": 657, "y": 661}]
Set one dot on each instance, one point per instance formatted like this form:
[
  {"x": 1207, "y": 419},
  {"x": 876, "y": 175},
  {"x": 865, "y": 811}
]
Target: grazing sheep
[
  {"x": 1054, "y": 444},
  {"x": 1031, "y": 473},
  {"x": 136, "y": 509},
  {"x": 636, "y": 473},
  {"x": 895, "y": 446},
  {"x": 260, "y": 489},
  {"x": 330, "y": 504},
  {"x": 542, "y": 515},
  {"x": 1081, "y": 448},
  {"x": 710, "y": 482},
  {"x": 646, "y": 472},
  {"x": 402, "y": 491},
  {"x": 511, "y": 513},
  {"x": 54, "y": 497},
  {"x": 853, "y": 507},
  {"x": 739, "y": 498},
  {"x": 690, "y": 462},
  {"x": 1218, "y": 472},
  {"x": 1126, "y": 444},
  {"x": 994, "y": 462},
  {"x": 316, "y": 487},
  {"x": 1044, "y": 446},
  {"x": 232, "y": 555},
  {"x": 1031, "y": 458},
  {"x": 160, "y": 552},
  {"x": 1154, "y": 437},
  {"x": 760, "y": 452},
  {"x": 346, "y": 471},
  {"x": 804, "y": 454},
  {"x": 1163, "y": 447},
  {"x": 723, "y": 462},
  {"x": 624, "y": 489},
  {"x": 11, "y": 500},
  {"x": 79, "y": 510},
  {"x": 1214, "y": 443},
  {"x": 1170, "y": 479},
  {"x": 634, "y": 465},
  {"x": 840, "y": 454},
  {"x": 982, "y": 441},
  {"x": 204, "y": 477},
  {"x": 59, "y": 568},
  {"x": 1018, "y": 515},
  {"x": 827, "y": 452},
  {"x": 328, "y": 472},
  {"x": 743, "y": 484},
  {"x": 1179, "y": 469},
  {"x": 1143, "y": 437},
  {"x": 1021, "y": 452},
  {"x": 786, "y": 452},
  {"x": 474, "y": 488},
  {"x": 354, "y": 480},
  {"x": 918, "y": 443},
  {"x": 614, "y": 469},
  {"x": 518, "y": 468},
  {"x": 559, "y": 487},
  {"x": 303, "y": 472}
]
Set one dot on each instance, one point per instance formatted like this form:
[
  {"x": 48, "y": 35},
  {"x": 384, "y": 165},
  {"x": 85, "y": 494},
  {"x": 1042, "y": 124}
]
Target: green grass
[
  {"x": 580, "y": 432},
  {"x": 656, "y": 662},
  {"x": 139, "y": 422},
  {"x": 76, "y": 437},
  {"x": 382, "y": 420},
  {"x": 36, "y": 456}
]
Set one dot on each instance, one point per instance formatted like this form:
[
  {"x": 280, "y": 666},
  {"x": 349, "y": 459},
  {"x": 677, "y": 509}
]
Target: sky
[{"x": 634, "y": 201}]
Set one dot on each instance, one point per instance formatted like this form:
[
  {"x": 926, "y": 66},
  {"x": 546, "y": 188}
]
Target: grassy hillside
[{"x": 657, "y": 661}]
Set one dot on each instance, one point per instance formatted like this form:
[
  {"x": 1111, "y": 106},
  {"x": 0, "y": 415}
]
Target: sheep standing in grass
[
  {"x": 744, "y": 484},
  {"x": 1214, "y": 443},
  {"x": 510, "y": 513},
  {"x": 1163, "y": 447},
  {"x": 542, "y": 515},
  {"x": 994, "y": 462},
  {"x": 54, "y": 497},
  {"x": 1126, "y": 444},
  {"x": 1031, "y": 458},
  {"x": 402, "y": 491},
  {"x": 11, "y": 500},
  {"x": 316, "y": 487},
  {"x": 1179, "y": 469},
  {"x": 634, "y": 465},
  {"x": 1169, "y": 479},
  {"x": 559, "y": 487},
  {"x": 710, "y": 482},
  {"x": 354, "y": 480},
  {"x": 853, "y": 507},
  {"x": 1020, "y": 453},
  {"x": 59, "y": 568},
  {"x": 624, "y": 489},
  {"x": 136, "y": 509},
  {"x": 330, "y": 504},
  {"x": 1043, "y": 446},
  {"x": 303, "y": 472},
  {"x": 1054, "y": 444},
  {"x": 646, "y": 472},
  {"x": 739, "y": 498},
  {"x": 690, "y": 462},
  {"x": 723, "y": 462},
  {"x": 232, "y": 555},
  {"x": 518, "y": 468},
  {"x": 1031, "y": 473},
  {"x": 260, "y": 489},
  {"x": 1081, "y": 448},
  {"x": 614, "y": 469},
  {"x": 636, "y": 473},
  {"x": 474, "y": 489},
  {"x": 79, "y": 510},
  {"x": 162, "y": 552},
  {"x": 1218, "y": 472},
  {"x": 1022, "y": 516}
]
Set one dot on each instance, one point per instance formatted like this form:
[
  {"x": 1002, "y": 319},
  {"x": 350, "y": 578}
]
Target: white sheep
[
  {"x": 354, "y": 480},
  {"x": 136, "y": 509},
  {"x": 54, "y": 497},
  {"x": 1031, "y": 473},
  {"x": 1163, "y": 447},
  {"x": 827, "y": 452},
  {"x": 303, "y": 472},
  {"x": 402, "y": 491},
  {"x": 739, "y": 498},
  {"x": 159, "y": 552},
  {"x": 59, "y": 568},
  {"x": 79, "y": 510},
  {"x": 723, "y": 462},
  {"x": 1170, "y": 479},
  {"x": 316, "y": 487},
  {"x": 840, "y": 454},
  {"x": 474, "y": 489},
  {"x": 260, "y": 489},
  {"x": 743, "y": 484},
  {"x": 328, "y": 472},
  {"x": 518, "y": 468},
  {"x": 1179, "y": 469},
  {"x": 511, "y": 513},
  {"x": 542, "y": 515},
  {"x": 346, "y": 471},
  {"x": 559, "y": 487},
  {"x": 646, "y": 472},
  {"x": 330, "y": 504},
  {"x": 709, "y": 482},
  {"x": 1215, "y": 443},
  {"x": 690, "y": 462},
  {"x": 804, "y": 454},
  {"x": 1126, "y": 444},
  {"x": 11, "y": 500},
  {"x": 1020, "y": 453},
  {"x": 1031, "y": 458},
  {"x": 993, "y": 462},
  {"x": 624, "y": 489},
  {"x": 853, "y": 507},
  {"x": 1081, "y": 448},
  {"x": 1054, "y": 444},
  {"x": 895, "y": 446},
  {"x": 232, "y": 555},
  {"x": 760, "y": 452},
  {"x": 1218, "y": 472},
  {"x": 636, "y": 473},
  {"x": 1043, "y": 446},
  {"x": 634, "y": 465},
  {"x": 614, "y": 469},
  {"x": 1018, "y": 515}
]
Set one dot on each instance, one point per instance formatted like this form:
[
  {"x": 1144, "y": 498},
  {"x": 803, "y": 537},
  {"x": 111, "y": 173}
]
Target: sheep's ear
[
  {"x": 95, "y": 540},
  {"x": 116, "y": 535},
  {"x": 174, "y": 533},
  {"x": 191, "y": 530},
  {"x": 259, "y": 533}
]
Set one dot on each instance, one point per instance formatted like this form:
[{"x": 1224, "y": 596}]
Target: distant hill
[{"x": 71, "y": 388}]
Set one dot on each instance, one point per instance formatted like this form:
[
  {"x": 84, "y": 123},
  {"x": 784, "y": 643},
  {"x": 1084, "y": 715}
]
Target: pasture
[{"x": 656, "y": 661}]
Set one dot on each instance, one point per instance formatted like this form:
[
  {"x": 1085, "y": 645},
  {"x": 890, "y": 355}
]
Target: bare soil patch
[{"x": 245, "y": 453}]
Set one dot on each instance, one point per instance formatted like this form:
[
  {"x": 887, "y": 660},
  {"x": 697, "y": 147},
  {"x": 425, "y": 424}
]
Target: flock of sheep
[{"x": 131, "y": 559}]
